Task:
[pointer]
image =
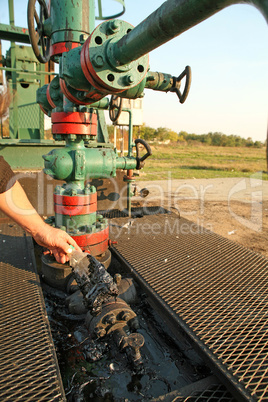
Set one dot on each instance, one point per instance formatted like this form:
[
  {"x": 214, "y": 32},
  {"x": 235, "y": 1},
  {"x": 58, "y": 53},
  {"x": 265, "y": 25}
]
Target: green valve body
[{"x": 76, "y": 163}]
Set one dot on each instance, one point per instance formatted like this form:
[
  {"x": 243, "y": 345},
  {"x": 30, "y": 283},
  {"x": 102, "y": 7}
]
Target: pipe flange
[
  {"x": 99, "y": 64},
  {"x": 53, "y": 93},
  {"x": 114, "y": 315}
]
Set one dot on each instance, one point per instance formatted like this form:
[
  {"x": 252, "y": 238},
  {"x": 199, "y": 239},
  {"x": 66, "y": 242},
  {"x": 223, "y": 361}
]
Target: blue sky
[{"x": 229, "y": 61}]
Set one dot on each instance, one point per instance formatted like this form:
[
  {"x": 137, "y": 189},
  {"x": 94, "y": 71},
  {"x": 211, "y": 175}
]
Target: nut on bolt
[
  {"x": 57, "y": 190},
  {"x": 135, "y": 342},
  {"x": 97, "y": 60},
  {"x": 117, "y": 279},
  {"x": 125, "y": 316},
  {"x": 110, "y": 319},
  {"x": 134, "y": 323},
  {"x": 100, "y": 332},
  {"x": 129, "y": 79},
  {"x": 83, "y": 38},
  {"x": 114, "y": 25}
]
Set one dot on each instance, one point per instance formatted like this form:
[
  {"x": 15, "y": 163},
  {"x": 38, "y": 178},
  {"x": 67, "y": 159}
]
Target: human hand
[{"x": 57, "y": 241}]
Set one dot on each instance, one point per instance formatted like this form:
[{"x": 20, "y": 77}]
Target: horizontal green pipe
[
  {"x": 27, "y": 71},
  {"x": 170, "y": 20},
  {"x": 14, "y": 33},
  {"x": 159, "y": 81},
  {"x": 28, "y": 143}
]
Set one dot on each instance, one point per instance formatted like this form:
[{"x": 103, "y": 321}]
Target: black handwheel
[
  {"x": 115, "y": 108},
  {"x": 140, "y": 160},
  {"x": 187, "y": 73},
  {"x": 40, "y": 43}
]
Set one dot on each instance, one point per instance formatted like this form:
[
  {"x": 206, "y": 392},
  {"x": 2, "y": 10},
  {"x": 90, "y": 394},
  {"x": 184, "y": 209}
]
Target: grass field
[{"x": 191, "y": 161}]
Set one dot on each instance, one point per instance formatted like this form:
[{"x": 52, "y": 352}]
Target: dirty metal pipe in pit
[{"x": 170, "y": 20}]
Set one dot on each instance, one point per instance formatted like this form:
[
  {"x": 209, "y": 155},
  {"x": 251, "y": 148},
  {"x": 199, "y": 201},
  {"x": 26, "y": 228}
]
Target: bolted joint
[
  {"x": 125, "y": 316},
  {"x": 117, "y": 279},
  {"x": 99, "y": 332},
  {"x": 97, "y": 60},
  {"x": 57, "y": 190},
  {"x": 110, "y": 319},
  {"x": 82, "y": 38},
  {"x": 129, "y": 79},
  {"x": 100, "y": 66},
  {"x": 113, "y": 26}
]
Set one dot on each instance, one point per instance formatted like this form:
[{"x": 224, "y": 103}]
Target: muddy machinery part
[{"x": 107, "y": 313}]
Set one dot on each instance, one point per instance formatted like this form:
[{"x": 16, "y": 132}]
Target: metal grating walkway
[
  {"x": 213, "y": 288},
  {"x": 28, "y": 364}
]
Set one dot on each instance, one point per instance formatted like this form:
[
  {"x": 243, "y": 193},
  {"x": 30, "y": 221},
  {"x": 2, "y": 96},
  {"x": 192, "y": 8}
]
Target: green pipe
[
  {"x": 102, "y": 104},
  {"x": 27, "y": 72},
  {"x": 159, "y": 81},
  {"x": 11, "y": 12},
  {"x": 13, "y": 134},
  {"x": 91, "y": 15},
  {"x": 170, "y": 20},
  {"x": 69, "y": 19}
]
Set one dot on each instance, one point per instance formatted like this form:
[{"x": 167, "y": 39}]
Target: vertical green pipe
[
  {"x": 130, "y": 133},
  {"x": 91, "y": 15},
  {"x": 130, "y": 139},
  {"x": 41, "y": 67},
  {"x": 129, "y": 198},
  {"x": 13, "y": 76}
]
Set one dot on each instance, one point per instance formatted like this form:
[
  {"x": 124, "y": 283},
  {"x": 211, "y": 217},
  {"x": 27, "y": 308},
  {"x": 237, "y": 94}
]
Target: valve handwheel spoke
[
  {"x": 187, "y": 73},
  {"x": 140, "y": 160},
  {"x": 115, "y": 108},
  {"x": 40, "y": 43}
]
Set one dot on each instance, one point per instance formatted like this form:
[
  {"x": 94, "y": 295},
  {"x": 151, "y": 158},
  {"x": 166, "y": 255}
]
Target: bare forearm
[{"x": 15, "y": 204}]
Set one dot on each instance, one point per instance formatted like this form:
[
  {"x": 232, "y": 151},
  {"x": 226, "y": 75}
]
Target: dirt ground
[
  {"x": 233, "y": 208},
  {"x": 236, "y": 208}
]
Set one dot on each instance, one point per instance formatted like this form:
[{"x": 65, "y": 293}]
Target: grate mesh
[
  {"x": 216, "y": 288},
  {"x": 216, "y": 393},
  {"x": 28, "y": 364},
  {"x": 136, "y": 212}
]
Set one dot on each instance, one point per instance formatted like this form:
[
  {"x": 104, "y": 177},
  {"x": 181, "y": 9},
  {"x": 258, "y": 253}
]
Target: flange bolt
[
  {"x": 98, "y": 60},
  {"x": 110, "y": 319},
  {"x": 100, "y": 332},
  {"x": 129, "y": 79},
  {"x": 114, "y": 25},
  {"x": 125, "y": 316},
  {"x": 117, "y": 279}
]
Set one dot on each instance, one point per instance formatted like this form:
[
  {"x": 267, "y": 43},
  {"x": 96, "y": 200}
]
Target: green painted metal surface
[
  {"x": 76, "y": 163},
  {"x": 71, "y": 71},
  {"x": 26, "y": 121},
  {"x": 27, "y": 156},
  {"x": 170, "y": 20},
  {"x": 14, "y": 33},
  {"x": 71, "y": 223},
  {"x": 68, "y": 20}
]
